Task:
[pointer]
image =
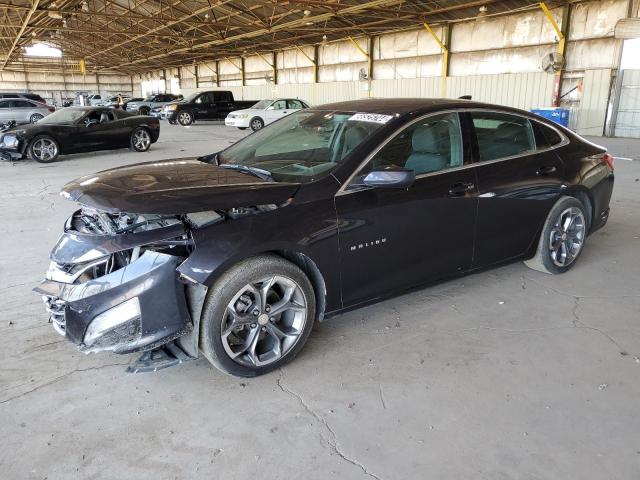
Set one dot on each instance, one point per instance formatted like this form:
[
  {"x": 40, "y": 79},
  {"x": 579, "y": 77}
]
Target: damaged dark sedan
[{"x": 235, "y": 255}]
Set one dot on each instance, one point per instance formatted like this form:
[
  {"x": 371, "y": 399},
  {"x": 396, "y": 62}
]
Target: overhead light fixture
[
  {"x": 84, "y": 6},
  {"x": 308, "y": 23},
  {"x": 307, "y": 13},
  {"x": 482, "y": 14},
  {"x": 64, "y": 22},
  {"x": 206, "y": 16},
  {"x": 56, "y": 15}
]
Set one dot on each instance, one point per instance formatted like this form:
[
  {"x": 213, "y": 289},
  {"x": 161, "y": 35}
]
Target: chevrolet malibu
[{"x": 236, "y": 254}]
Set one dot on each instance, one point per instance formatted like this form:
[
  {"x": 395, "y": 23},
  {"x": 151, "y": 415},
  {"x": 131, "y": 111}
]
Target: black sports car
[
  {"x": 236, "y": 254},
  {"x": 80, "y": 129}
]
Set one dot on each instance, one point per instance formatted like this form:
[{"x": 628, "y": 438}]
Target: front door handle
[
  {"x": 546, "y": 170},
  {"x": 458, "y": 189}
]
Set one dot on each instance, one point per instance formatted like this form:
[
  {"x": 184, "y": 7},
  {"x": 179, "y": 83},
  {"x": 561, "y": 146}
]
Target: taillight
[
  {"x": 51, "y": 109},
  {"x": 607, "y": 159}
]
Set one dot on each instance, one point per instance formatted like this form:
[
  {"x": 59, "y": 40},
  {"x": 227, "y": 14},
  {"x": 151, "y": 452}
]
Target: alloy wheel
[
  {"x": 567, "y": 237},
  {"x": 185, "y": 118},
  {"x": 45, "y": 149},
  {"x": 141, "y": 140},
  {"x": 264, "y": 321},
  {"x": 256, "y": 124},
  {"x": 36, "y": 117}
]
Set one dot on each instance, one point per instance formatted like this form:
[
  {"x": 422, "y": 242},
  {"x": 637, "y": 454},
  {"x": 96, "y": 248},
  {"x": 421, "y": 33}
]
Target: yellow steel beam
[
  {"x": 554, "y": 24},
  {"x": 555, "y": 100},
  {"x": 313, "y": 62},
  {"x": 357, "y": 45},
  {"x": 264, "y": 59},
  {"x": 445, "y": 58}
]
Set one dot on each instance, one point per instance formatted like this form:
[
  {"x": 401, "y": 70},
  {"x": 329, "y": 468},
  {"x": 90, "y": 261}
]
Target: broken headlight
[{"x": 9, "y": 141}]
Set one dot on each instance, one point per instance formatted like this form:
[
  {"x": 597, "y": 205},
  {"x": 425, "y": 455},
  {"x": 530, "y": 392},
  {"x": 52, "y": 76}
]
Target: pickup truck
[{"x": 212, "y": 105}]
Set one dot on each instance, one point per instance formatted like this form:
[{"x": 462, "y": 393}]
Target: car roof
[{"x": 403, "y": 106}]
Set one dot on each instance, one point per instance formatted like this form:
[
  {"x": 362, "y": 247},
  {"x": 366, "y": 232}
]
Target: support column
[
  {"x": 443, "y": 43},
  {"x": 242, "y": 78},
  {"x": 218, "y": 73},
  {"x": 275, "y": 68},
  {"x": 195, "y": 67},
  {"x": 562, "y": 34}
]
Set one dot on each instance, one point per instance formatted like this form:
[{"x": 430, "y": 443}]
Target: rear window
[
  {"x": 546, "y": 137},
  {"x": 502, "y": 135}
]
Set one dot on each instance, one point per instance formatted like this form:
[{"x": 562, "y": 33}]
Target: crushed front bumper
[{"x": 134, "y": 308}]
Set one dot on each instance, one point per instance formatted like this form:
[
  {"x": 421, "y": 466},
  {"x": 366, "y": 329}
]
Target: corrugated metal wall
[
  {"x": 627, "y": 121},
  {"x": 589, "y": 118}
]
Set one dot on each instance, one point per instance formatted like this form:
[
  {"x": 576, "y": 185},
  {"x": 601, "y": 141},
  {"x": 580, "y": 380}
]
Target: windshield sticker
[{"x": 370, "y": 117}]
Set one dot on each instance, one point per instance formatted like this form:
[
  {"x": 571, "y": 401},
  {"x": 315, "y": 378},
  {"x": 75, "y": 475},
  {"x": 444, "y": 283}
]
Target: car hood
[
  {"x": 170, "y": 187},
  {"x": 247, "y": 110}
]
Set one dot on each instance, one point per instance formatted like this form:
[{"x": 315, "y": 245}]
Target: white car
[{"x": 263, "y": 113}]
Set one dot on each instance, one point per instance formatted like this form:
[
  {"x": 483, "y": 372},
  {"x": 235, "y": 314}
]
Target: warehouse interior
[
  {"x": 507, "y": 373},
  {"x": 501, "y": 51}
]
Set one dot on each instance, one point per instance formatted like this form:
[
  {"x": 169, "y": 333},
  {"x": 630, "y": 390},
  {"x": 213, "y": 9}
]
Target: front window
[
  {"x": 302, "y": 147},
  {"x": 65, "y": 116},
  {"x": 262, "y": 104},
  {"x": 426, "y": 146}
]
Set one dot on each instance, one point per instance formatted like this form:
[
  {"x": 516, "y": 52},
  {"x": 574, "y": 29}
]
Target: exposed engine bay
[{"x": 113, "y": 283}]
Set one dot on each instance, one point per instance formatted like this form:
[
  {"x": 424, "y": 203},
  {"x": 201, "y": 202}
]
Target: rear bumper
[
  {"x": 601, "y": 194},
  {"x": 138, "y": 307}
]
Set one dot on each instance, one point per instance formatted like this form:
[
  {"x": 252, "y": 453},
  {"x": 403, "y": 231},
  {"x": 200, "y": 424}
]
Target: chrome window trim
[{"x": 343, "y": 188}]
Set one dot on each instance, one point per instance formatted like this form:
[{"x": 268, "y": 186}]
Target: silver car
[{"x": 22, "y": 110}]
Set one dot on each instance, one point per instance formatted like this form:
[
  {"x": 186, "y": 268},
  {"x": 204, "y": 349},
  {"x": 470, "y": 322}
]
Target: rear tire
[
  {"x": 257, "y": 316},
  {"x": 562, "y": 237},
  {"x": 140, "y": 140},
  {"x": 35, "y": 117},
  {"x": 256, "y": 124},
  {"x": 185, "y": 118},
  {"x": 44, "y": 149}
]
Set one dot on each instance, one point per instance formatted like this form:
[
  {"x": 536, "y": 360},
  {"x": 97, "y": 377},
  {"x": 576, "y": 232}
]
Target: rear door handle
[
  {"x": 458, "y": 189},
  {"x": 546, "y": 170}
]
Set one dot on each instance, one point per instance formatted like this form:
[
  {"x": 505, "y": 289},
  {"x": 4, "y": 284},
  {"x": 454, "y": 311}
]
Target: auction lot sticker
[{"x": 371, "y": 117}]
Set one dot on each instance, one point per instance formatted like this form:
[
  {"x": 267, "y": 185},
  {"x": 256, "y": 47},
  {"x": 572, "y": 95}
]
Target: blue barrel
[{"x": 558, "y": 115}]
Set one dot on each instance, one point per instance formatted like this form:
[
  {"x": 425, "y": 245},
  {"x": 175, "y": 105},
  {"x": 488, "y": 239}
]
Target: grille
[{"x": 55, "y": 307}]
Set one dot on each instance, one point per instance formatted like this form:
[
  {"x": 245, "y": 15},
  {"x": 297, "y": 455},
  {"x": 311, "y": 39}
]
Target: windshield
[
  {"x": 64, "y": 116},
  {"x": 192, "y": 97},
  {"x": 150, "y": 98},
  {"x": 262, "y": 104},
  {"x": 303, "y": 146}
]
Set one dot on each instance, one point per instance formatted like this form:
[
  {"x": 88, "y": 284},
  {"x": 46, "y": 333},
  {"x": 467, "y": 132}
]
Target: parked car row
[{"x": 23, "y": 110}]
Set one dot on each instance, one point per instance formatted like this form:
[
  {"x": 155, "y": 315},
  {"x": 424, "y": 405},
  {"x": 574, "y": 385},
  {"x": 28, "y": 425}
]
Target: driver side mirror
[{"x": 390, "y": 178}]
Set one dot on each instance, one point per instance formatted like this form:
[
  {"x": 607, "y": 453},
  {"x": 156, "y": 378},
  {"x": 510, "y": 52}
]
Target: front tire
[
  {"x": 185, "y": 118},
  {"x": 257, "y": 316},
  {"x": 562, "y": 237},
  {"x": 44, "y": 149},
  {"x": 140, "y": 140},
  {"x": 256, "y": 124},
  {"x": 143, "y": 111}
]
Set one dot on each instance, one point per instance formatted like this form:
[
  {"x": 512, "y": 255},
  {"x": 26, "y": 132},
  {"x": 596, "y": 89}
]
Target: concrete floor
[{"x": 506, "y": 374}]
